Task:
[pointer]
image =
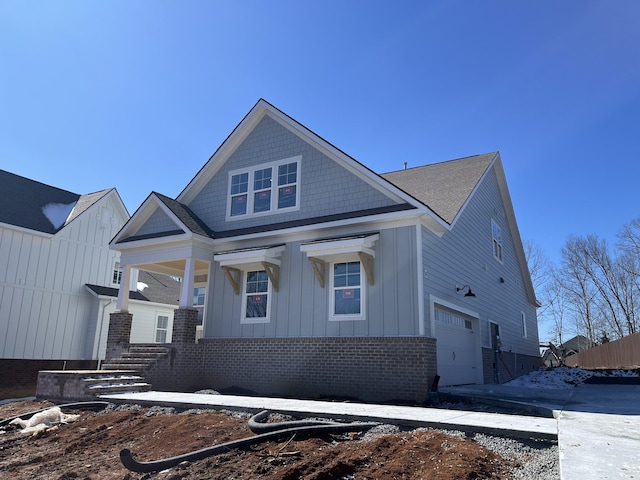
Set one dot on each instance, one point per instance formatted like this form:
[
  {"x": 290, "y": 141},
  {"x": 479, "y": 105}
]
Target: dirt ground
[{"x": 89, "y": 449}]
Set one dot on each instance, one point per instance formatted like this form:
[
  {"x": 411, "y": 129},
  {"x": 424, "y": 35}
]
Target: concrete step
[
  {"x": 116, "y": 382},
  {"x": 131, "y": 365}
]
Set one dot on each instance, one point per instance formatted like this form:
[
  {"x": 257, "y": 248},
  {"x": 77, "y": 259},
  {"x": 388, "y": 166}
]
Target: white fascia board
[
  {"x": 224, "y": 151},
  {"x": 140, "y": 216},
  {"x": 253, "y": 256},
  {"x": 165, "y": 252},
  {"x": 358, "y": 222},
  {"x": 332, "y": 248},
  {"x": 355, "y": 167},
  {"x": 26, "y": 230}
]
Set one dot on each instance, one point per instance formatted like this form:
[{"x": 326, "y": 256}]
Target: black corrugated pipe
[{"x": 315, "y": 427}]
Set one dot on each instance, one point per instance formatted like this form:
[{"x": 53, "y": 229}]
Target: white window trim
[
  {"x": 344, "y": 250},
  {"x": 157, "y": 329},
  {"x": 333, "y": 317},
  {"x": 252, "y": 260},
  {"x": 274, "y": 189},
  {"x": 523, "y": 321},
  {"x": 252, "y": 320},
  {"x": 497, "y": 241},
  {"x": 116, "y": 268}
]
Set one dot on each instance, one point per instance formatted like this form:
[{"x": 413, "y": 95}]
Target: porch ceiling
[{"x": 174, "y": 268}]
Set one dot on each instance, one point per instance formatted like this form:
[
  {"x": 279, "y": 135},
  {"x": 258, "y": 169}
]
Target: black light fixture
[{"x": 469, "y": 292}]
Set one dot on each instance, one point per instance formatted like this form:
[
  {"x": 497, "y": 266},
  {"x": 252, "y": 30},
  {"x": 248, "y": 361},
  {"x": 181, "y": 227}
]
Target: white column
[
  {"x": 122, "y": 304},
  {"x": 186, "y": 295}
]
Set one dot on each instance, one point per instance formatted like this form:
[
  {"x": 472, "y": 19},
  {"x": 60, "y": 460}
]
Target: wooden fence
[{"x": 623, "y": 353}]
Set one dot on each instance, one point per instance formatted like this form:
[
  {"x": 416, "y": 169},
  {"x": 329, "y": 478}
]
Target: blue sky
[{"x": 138, "y": 95}]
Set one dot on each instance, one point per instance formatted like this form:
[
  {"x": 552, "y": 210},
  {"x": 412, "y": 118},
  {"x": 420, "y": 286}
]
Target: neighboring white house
[
  {"x": 322, "y": 277},
  {"x": 53, "y": 243}
]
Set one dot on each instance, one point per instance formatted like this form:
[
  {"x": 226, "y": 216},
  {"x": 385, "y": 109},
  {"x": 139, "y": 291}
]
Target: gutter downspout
[{"x": 97, "y": 350}]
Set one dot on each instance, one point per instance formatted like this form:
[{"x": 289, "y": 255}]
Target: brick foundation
[{"x": 379, "y": 369}]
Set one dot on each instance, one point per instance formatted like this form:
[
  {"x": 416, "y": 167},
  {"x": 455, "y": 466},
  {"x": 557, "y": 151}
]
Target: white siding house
[{"x": 53, "y": 244}]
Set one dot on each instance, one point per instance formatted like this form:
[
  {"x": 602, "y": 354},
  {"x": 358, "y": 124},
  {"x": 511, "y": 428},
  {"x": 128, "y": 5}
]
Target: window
[
  {"x": 257, "y": 297},
  {"x": 496, "y": 233},
  {"x": 257, "y": 192},
  {"x": 452, "y": 318},
  {"x": 238, "y": 188},
  {"x": 117, "y": 275},
  {"x": 523, "y": 320},
  {"x": 198, "y": 302},
  {"x": 162, "y": 324},
  {"x": 347, "y": 298}
]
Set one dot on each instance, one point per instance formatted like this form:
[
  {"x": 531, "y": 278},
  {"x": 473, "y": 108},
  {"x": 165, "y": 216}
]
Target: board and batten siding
[
  {"x": 464, "y": 256},
  {"x": 301, "y": 306},
  {"x": 45, "y": 310},
  {"x": 326, "y": 188}
]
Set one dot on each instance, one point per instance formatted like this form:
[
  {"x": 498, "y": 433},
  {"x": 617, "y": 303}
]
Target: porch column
[
  {"x": 185, "y": 321},
  {"x": 186, "y": 295},
  {"x": 122, "y": 304}
]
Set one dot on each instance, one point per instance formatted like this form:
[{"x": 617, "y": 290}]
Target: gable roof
[
  {"x": 263, "y": 108},
  {"x": 152, "y": 287},
  {"x": 32, "y": 205},
  {"x": 444, "y": 187},
  {"x": 186, "y": 216}
]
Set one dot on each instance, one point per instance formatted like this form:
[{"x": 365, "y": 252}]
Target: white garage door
[{"x": 458, "y": 361}]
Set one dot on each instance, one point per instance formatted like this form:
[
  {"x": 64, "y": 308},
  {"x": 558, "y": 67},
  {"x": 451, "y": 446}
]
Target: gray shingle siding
[
  {"x": 325, "y": 187},
  {"x": 157, "y": 222}
]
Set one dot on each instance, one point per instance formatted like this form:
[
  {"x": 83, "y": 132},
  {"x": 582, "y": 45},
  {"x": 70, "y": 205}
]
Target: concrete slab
[
  {"x": 508, "y": 425},
  {"x": 598, "y": 425}
]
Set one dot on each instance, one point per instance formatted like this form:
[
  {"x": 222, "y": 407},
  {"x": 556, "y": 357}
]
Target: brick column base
[
  {"x": 185, "y": 321},
  {"x": 119, "y": 333}
]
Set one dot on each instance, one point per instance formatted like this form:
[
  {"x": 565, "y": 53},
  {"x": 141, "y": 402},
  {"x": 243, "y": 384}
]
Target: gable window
[
  {"x": 255, "y": 191},
  {"x": 162, "y": 325},
  {"x": 257, "y": 297},
  {"x": 116, "y": 278},
  {"x": 238, "y": 188},
  {"x": 347, "y": 298},
  {"x": 496, "y": 233}
]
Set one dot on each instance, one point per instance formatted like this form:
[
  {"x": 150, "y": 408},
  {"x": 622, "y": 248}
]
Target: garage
[{"x": 457, "y": 347}]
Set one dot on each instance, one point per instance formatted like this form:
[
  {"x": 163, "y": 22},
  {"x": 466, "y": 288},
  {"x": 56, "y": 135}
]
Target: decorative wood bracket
[
  {"x": 367, "y": 263},
  {"x": 319, "y": 267},
  {"x": 273, "y": 272},
  {"x": 234, "y": 276}
]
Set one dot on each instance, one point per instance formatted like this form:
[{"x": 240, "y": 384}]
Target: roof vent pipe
[{"x": 405, "y": 165}]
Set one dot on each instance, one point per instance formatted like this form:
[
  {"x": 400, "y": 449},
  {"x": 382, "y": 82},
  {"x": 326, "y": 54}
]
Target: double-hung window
[
  {"x": 347, "y": 294},
  {"x": 162, "y": 326},
  {"x": 348, "y": 262},
  {"x": 116, "y": 278},
  {"x": 254, "y": 274},
  {"x": 257, "y": 297},
  {"x": 238, "y": 190},
  {"x": 263, "y": 189},
  {"x": 496, "y": 233}
]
